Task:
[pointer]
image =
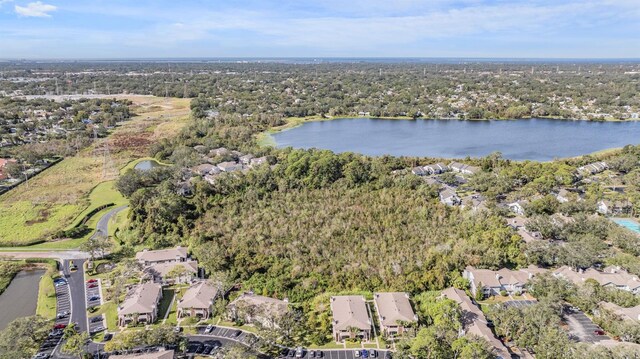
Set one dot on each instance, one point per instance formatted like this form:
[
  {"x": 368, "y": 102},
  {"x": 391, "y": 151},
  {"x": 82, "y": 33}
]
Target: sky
[{"x": 68, "y": 29}]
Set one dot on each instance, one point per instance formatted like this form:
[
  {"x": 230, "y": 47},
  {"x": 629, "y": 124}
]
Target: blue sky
[{"x": 319, "y": 28}]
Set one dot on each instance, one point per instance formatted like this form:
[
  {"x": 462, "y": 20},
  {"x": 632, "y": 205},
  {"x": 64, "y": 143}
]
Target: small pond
[
  {"x": 146, "y": 165},
  {"x": 21, "y": 297}
]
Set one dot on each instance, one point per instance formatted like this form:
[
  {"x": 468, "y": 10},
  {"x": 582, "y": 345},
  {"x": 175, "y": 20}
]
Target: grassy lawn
[
  {"x": 351, "y": 345},
  {"x": 371, "y": 345},
  {"x": 110, "y": 310},
  {"x": 165, "y": 303},
  {"x": 47, "y": 294},
  {"x": 331, "y": 345},
  {"x": 62, "y": 195}
]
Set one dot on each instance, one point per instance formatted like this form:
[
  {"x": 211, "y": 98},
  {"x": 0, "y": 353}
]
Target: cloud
[{"x": 35, "y": 9}]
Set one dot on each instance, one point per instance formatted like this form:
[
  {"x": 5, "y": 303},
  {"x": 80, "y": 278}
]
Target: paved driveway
[{"x": 583, "y": 328}]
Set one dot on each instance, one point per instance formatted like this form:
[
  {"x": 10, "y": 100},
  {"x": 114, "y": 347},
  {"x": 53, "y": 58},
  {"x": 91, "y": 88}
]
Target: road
[
  {"x": 61, "y": 255},
  {"x": 78, "y": 296},
  {"x": 583, "y": 328},
  {"x": 102, "y": 228}
]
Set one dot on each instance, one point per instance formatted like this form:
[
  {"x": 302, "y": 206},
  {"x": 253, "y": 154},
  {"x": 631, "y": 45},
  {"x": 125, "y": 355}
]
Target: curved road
[{"x": 102, "y": 228}]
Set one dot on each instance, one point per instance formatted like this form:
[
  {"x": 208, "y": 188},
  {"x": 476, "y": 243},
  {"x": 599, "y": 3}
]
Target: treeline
[{"x": 469, "y": 90}]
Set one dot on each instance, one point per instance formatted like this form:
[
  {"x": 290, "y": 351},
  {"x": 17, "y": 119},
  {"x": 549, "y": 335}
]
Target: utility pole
[{"x": 57, "y": 88}]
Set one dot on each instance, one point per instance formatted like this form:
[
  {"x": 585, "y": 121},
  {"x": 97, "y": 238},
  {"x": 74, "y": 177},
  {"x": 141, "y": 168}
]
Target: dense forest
[{"x": 462, "y": 89}]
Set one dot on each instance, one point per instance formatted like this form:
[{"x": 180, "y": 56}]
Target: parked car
[
  {"x": 365, "y": 354},
  {"x": 299, "y": 352},
  {"x": 373, "y": 353},
  {"x": 319, "y": 354},
  {"x": 92, "y": 285},
  {"x": 62, "y": 315},
  {"x": 312, "y": 354},
  {"x": 59, "y": 326},
  {"x": 209, "y": 329},
  {"x": 357, "y": 354},
  {"x": 388, "y": 355},
  {"x": 41, "y": 356},
  {"x": 107, "y": 337},
  {"x": 237, "y": 333},
  {"x": 96, "y": 319},
  {"x": 177, "y": 329},
  {"x": 92, "y": 281},
  {"x": 94, "y": 297},
  {"x": 598, "y": 332}
]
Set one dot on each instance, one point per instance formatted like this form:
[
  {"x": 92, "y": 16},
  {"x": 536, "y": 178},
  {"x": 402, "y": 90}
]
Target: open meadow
[{"x": 63, "y": 195}]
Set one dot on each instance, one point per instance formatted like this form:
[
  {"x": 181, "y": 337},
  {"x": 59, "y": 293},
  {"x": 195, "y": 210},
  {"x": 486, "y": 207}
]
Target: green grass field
[
  {"x": 47, "y": 294},
  {"x": 61, "y": 196}
]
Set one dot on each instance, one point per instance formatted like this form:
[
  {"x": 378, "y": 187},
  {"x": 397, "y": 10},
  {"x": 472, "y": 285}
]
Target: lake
[
  {"x": 146, "y": 165},
  {"x": 526, "y": 139},
  {"x": 21, "y": 297}
]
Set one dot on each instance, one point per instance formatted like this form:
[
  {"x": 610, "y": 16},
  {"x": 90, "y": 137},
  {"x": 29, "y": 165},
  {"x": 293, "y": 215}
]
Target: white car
[{"x": 208, "y": 329}]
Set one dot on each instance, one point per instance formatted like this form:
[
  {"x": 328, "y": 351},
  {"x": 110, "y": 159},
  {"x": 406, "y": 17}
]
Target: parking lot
[
  {"x": 62, "y": 318},
  {"x": 582, "y": 328},
  {"x": 92, "y": 289},
  {"x": 339, "y": 354},
  {"x": 232, "y": 334},
  {"x": 518, "y": 303},
  {"x": 96, "y": 324}
]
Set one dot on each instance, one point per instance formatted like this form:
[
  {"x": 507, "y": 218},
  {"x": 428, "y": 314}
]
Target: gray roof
[
  {"x": 394, "y": 307},
  {"x": 350, "y": 311},
  {"x": 199, "y": 295},
  {"x": 162, "y": 254},
  {"x": 142, "y": 299}
]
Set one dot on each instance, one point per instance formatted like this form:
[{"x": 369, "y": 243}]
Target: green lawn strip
[
  {"x": 165, "y": 303},
  {"x": 47, "y": 293},
  {"x": 352, "y": 345},
  {"x": 110, "y": 310},
  {"x": 102, "y": 194},
  {"x": 331, "y": 345},
  {"x": 370, "y": 345}
]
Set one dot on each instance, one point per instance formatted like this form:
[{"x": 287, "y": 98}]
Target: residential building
[
  {"x": 350, "y": 318},
  {"x": 438, "y": 168},
  {"x": 245, "y": 159},
  {"x": 198, "y": 300},
  {"x": 229, "y": 166},
  {"x": 491, "y": 283},
  {"x": 251, "y": 308},
  {"x": 173, "y": 272},
  {"x": 177, "y": 254},
  {"x": 258, "y": 161},
  {"x": 219, "y": 152},
  {"x": 518, "y": 207},
  {"x": 3, "y": 163},
  {"x": 519, "y": 224},
  {"x": 612, "y": 277},
  {"x": 608, "y": 207},
  {"x": 140, "y": 305},
  {"x": 394, "y": 312},
  {"x": 449, "y": 197},
  {"x": 592, "y": 168},
  {"x": 464, "y": 169},
  {"x": 474, "y": 202},
  {"x": 563, "y": 196},
  {"x": 161, "y": 354},
  {"x": 475, "y": 323},
  {"x": 631, "y": 314},
  {"x": 418, "y": 171},
  {"x": 203, "y": 169}
]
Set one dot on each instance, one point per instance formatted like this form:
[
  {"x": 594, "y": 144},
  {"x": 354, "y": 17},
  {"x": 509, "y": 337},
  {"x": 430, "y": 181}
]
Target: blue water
[
  {"x": 527, "y": 139},
  {"x": 629, "y": 224}
]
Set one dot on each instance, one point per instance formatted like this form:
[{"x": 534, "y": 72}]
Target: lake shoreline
[{"x": 267, "y": 138}]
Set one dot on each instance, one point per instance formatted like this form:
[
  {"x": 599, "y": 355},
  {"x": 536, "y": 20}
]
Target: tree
[
  {"x": 76, "y": 344},
  {"x": 97, "y": 245},
  {"x": 23, "y": 336}
]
